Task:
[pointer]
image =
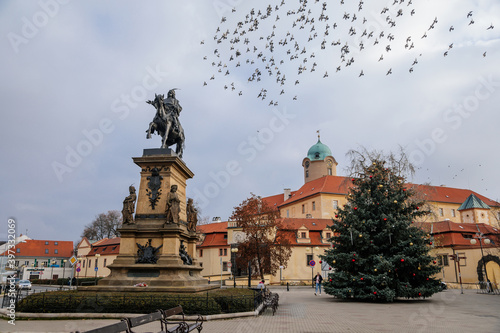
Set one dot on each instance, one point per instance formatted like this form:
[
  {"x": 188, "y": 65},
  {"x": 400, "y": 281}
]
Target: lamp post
[
  {"x": 480, "y": 236},
  {"x": 96, "y": 268},
  {"x": 234, "y": 250},
  {"x": 312, "y": 266},
  {"x": 63, "y": 264}
]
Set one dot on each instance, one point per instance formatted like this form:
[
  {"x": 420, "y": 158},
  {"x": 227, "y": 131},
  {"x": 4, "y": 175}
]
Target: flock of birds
[{"x": 282, "y": 43}]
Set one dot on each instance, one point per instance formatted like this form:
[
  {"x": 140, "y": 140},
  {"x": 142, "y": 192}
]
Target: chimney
[{"x": 287, "y": 193}]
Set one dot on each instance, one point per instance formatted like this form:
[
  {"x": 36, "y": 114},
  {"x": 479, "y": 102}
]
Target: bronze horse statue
[{"x": 166, "y": 122}]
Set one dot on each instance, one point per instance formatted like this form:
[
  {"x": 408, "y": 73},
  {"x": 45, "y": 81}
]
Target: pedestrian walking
[
  {"x": 318, "y": 279},
  {"x": 261, "y": 285}
]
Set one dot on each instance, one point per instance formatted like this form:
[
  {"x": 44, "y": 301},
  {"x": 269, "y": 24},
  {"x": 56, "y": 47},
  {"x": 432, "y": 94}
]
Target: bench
[
  {"x": 270, "y": 300},
  {"x": 126, "y": 324},
  {"x": 179, "y": 326}
]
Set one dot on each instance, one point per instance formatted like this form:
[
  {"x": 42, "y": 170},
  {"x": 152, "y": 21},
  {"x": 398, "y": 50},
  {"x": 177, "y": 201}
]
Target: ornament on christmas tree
[
  {"x": 402, "y": 260},
  {"x": 411, "y": 244},
  {"x": 375, "y": 270},
  {"x": 360, "y": 235},
  {"x": 374, "y": 293},
  {"x": 395, "y": 201}
]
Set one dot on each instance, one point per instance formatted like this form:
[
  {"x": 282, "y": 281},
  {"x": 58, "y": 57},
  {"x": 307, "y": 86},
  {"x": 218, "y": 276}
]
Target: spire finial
[{"x": 318, "y": 134}]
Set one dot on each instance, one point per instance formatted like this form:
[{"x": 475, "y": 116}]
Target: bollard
[{"x": 287, "y": 287}]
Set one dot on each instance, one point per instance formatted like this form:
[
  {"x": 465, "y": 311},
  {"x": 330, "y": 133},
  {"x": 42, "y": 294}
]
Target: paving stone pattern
[{"x": 301, "y": 311}]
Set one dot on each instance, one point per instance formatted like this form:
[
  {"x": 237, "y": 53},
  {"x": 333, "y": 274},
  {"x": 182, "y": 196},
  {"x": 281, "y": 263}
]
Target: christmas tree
[{"x": 378, "y": 253}]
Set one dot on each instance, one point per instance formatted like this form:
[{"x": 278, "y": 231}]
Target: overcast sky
[{"x": 76, "y": 75}]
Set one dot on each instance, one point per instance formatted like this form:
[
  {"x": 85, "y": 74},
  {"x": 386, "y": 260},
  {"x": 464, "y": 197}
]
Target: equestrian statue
[{"x": 166, "y": 122}]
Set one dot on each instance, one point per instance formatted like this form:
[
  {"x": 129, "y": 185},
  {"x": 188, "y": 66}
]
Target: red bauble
[
  {"x": 385, "y": 219},
  {"x": 427, "y": 279},
  {"x": 353, "y": 260},
  {"x": 413, "y": 274},
  {"x": 330, "y": 280},
  {"x": 329, "y": 268},
  {"x": 371, "y": 176},
  {"x": 430, "y": 243},
  {"x": 418, "y": 208},
  {"x": 320, "y": 261},
  {"x": 336, "y": 216},
  {"x": 374, "y": 293},
  {"x": 361, "y": 279},
  {"x": 353, "y": 179},
  {"x": 434, "y": 261},
  {"x": 355, "y": 208},
  {"x": 419, "y": 294},
  {"x": 402, "y": 260}
]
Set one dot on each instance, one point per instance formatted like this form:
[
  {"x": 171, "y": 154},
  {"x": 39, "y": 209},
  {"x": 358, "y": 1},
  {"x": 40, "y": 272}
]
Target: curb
[{"x": 4, "y": 313}]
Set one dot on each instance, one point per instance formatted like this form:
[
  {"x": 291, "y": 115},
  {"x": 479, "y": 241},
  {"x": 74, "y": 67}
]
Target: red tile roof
[
  {"x": 37, "y": 248},
  {"x": 105, "y": 246},
  {"x": 340, "y": 185},
  {"x": 314, "y": 236},
  {"x": 326, "y": 184},
  {"x": 451, "y": 234},
  {"x": 212, "y": 227},
  {"x": 214, "y": 240}
]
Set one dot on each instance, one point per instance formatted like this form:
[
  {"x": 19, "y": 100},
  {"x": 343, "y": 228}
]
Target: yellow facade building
[{"x": 305, "y": 214}]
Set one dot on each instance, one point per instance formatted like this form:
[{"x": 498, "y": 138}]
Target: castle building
[{"x": 457, "y": 216}]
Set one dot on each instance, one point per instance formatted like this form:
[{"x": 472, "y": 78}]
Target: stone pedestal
[{"x": 160, "y": 168}]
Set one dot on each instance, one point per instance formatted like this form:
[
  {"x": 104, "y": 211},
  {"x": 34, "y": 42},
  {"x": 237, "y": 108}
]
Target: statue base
[{"x": 154, "y": 240}]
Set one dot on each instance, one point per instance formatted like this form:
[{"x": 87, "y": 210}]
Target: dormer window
[
  {"x": 316, "y": 155},
  {"x": 303, "y": 235}
]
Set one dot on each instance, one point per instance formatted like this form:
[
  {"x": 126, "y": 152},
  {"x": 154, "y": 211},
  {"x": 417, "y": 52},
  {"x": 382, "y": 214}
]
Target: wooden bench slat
[
  {"x": 114, "y": 328},
  {"x": 136, "y": 321},
  {"x": 173, "y": 311}
]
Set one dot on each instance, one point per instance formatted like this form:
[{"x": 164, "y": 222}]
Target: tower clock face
[
  {"x": 329, "y": 162},
  {"x": 307, "y": 164}
]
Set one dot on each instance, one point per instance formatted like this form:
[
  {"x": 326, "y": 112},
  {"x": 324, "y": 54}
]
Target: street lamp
[
  {"x": 486, "y": 241},
  {"x": 96, "y": 268},
  {"x": 63, "y": 264},
  {"x": 312, "y": 266},
  {"x": 234, "y": 250}
]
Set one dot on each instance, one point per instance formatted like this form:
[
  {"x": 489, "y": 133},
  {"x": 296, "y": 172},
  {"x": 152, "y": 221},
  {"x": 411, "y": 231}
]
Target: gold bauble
[
  {"x": 411, "y": 244},
  {"x": 360, "y": 235},
  {"x": 334, "y": 261},
  {"x": 418, "y": 267},
  {"x": 375, "y": 270},
  {"x": 395, "y": 201}
]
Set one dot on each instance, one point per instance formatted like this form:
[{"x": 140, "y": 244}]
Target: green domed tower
[{"x": 319, "y": 162}]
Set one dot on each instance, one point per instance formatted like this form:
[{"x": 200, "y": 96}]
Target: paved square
[{"x": 301, "y": 311}]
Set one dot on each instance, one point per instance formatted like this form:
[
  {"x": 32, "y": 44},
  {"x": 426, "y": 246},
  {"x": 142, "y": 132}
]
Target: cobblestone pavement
[{"x": 301, "y": 311}]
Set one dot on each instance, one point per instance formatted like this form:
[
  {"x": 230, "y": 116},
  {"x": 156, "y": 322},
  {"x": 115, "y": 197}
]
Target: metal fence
[
  {"x": 487, "y": 288},
  {"x": 205, "y": 304}
]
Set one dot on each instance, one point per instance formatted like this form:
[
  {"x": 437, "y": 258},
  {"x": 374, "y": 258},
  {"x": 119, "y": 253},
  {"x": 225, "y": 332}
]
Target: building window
[
  {"x": 329, "y": 170},
  {"x": 220, "y": 252},
  {"x": 201, "y": 264},
  {"x": 201, "y": 253},
  {"x": 104, "y": 263},
  {"x": 453, "y": 214},
  {"x": 90, "y": 263},
  {"x": 84, "y": 264},
  {"x": 96, "y": 262},
  {"x": 441, "y": 213},
  {"x": 309, "y": 257},
  {"x": 335, "y": 204},
  {"x": 46, "y": 251},
  {"x": 225, "y": 236},
  {"x": 328, "y": 235},
  {"x": 314, "y": 205},
  {"x": 224, "y": 266},
  {"x": 55, "y": 243},
  {"x": 56, "y": 251},
  {"x": 46, "y": 243},
  {"x": 18, "y": 250},
  {"x": 287, "y": 213},
  {"x": 303, "y": 209},
  {"x": 27, "y": 263},
  {"x": 307, "y": 173},
  {"x": 303, "y": 234},
  {"x": 443, "y": 260},
  {"x": 16, "y": 263},
  {"x": 225, "y": 252}
]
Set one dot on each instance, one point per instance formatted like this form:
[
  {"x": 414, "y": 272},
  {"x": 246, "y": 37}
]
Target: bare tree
[{"x": 105, "y": 225}]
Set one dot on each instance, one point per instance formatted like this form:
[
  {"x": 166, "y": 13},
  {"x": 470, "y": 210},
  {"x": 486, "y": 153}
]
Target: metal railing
[{"x": 487, "y": 288}]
